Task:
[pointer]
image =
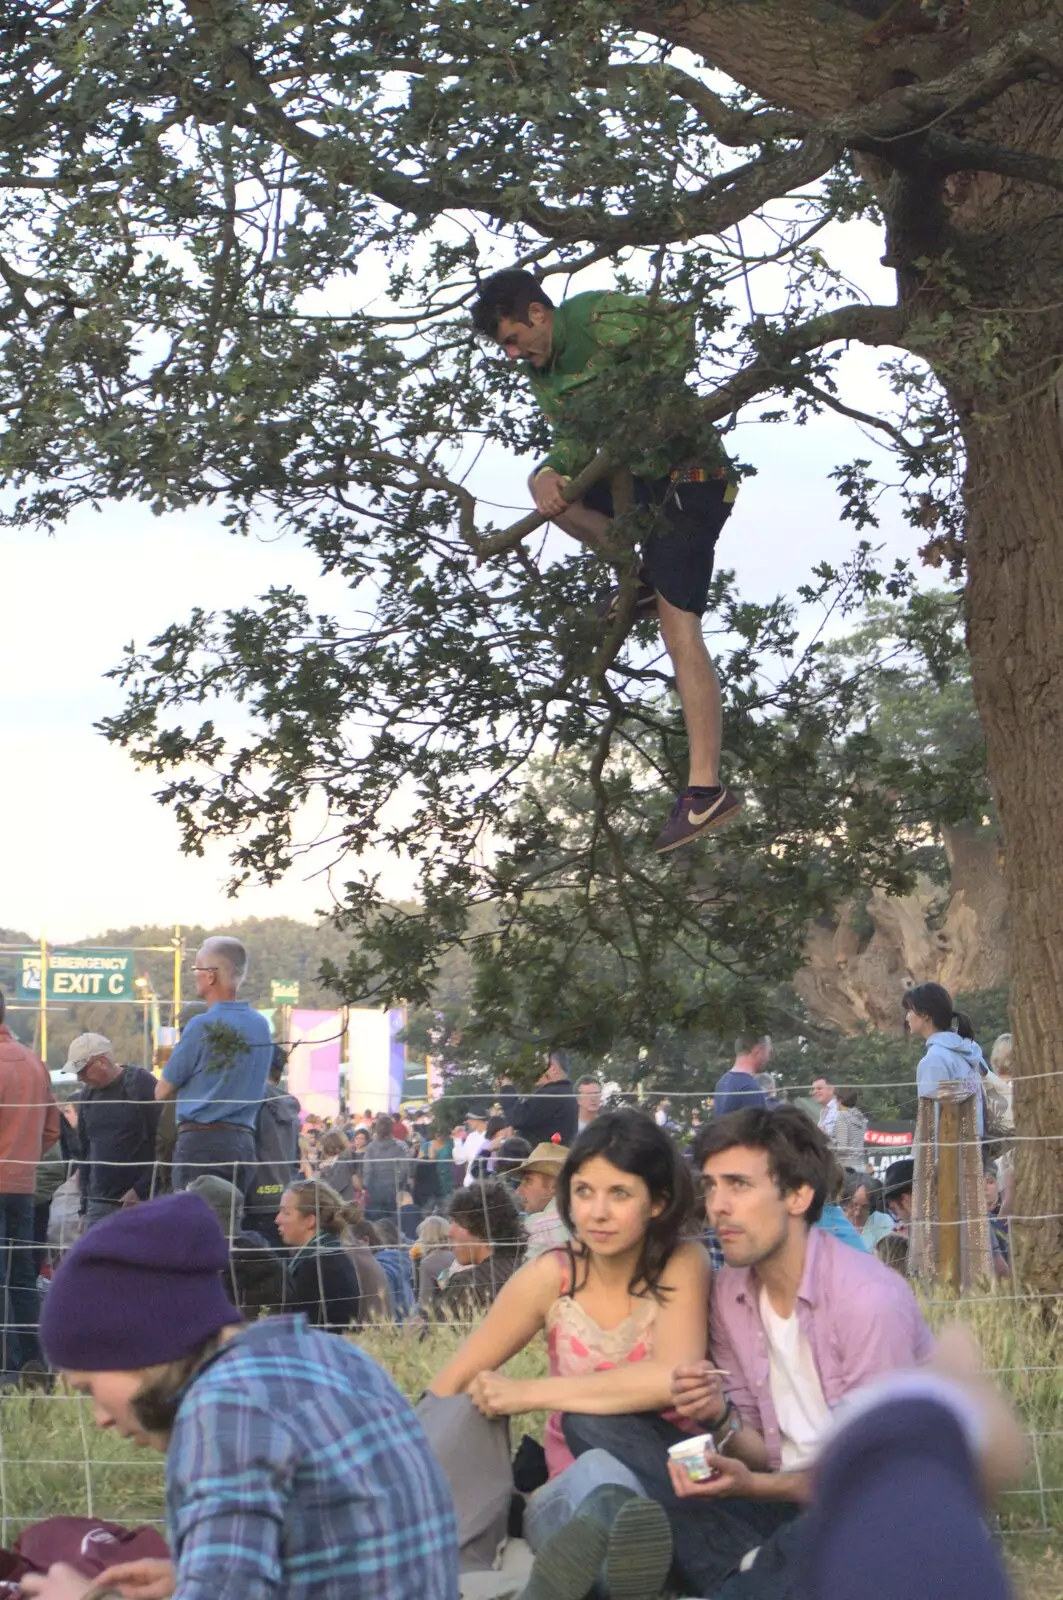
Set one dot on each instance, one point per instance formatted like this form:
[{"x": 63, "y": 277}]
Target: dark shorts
[{"x": 678, "y": 558}]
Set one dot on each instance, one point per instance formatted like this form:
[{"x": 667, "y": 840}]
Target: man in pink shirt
[
  {"x": 29, "y": 1125},
  {"x": 798, "y": 1321}
]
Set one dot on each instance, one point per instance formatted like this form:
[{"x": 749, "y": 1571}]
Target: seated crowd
[{"x": 686, "y": 1408}]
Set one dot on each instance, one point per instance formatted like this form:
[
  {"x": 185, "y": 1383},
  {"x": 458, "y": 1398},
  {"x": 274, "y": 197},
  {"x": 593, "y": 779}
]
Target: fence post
[{"x": 949, "y": 1242}]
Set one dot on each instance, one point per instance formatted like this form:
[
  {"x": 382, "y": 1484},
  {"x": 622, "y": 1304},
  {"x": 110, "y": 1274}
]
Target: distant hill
[{"x": 278, "y": 947}]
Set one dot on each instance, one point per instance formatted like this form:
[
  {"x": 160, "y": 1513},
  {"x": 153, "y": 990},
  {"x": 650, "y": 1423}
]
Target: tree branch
[
  {"x": 726, "y": 123},
  {"x": 950, "y": 153}
]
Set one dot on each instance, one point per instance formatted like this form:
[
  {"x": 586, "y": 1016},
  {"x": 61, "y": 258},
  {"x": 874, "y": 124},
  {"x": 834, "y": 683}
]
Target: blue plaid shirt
[{"x": 296, "y": 1469}]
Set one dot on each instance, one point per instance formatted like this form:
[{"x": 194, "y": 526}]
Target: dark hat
[{"x": 140, "y": 1288}]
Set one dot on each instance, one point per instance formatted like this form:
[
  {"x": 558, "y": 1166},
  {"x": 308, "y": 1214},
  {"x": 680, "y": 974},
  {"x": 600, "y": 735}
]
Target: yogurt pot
[{"x": 690, "y": 1454}]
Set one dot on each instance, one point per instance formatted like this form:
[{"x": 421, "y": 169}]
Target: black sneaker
[
  {"x": 697, "y": 812},
  {"x": 645, "y": 604}
]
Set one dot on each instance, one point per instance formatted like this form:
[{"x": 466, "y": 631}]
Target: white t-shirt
[
  {"x": 474, "y": 1143},
  {"x": 796, "y": 1391}
]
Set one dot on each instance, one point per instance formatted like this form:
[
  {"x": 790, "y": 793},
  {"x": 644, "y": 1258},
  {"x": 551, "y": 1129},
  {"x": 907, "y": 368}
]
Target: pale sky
[{"x": 87, "y": 847}]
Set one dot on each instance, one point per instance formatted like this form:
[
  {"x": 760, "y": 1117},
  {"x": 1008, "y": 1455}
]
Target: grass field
[{"x": 53, "y": 1460}]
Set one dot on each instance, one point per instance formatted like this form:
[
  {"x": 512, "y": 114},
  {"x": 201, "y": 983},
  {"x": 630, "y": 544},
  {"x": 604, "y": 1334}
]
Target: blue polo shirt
[{"x": 220, "y": 1065}]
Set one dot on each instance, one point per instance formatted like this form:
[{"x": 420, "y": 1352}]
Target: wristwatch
[{"x": 727, "y": 1427}]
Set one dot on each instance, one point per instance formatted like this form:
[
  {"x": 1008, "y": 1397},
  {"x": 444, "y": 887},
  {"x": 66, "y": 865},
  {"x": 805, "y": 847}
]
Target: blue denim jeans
[
  {"x": 711, "y": 1537},
  {"x": 226, "y": 1152},
  {"x": 18, "y": 1276},
  {"x": 558, "y": 1501}
]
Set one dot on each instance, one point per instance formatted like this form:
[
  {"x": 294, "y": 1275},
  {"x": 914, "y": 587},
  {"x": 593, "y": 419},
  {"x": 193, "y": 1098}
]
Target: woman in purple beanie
[{"x": 294, "y": 1467}]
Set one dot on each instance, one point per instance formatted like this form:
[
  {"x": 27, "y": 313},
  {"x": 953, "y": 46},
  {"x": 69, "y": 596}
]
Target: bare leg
[
  {"x": 589, "y": 527},
  {"x": 699, "y": 691}
]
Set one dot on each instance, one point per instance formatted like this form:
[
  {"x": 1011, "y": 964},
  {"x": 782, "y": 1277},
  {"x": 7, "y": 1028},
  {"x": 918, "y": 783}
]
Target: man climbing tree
[{"x": 575, "y": 353}]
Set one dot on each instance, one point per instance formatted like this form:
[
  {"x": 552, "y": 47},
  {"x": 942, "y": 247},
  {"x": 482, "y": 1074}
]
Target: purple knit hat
[{"x": 140, "y": 1288}]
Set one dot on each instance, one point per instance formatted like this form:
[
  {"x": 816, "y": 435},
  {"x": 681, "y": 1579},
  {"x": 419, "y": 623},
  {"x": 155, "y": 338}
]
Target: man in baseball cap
[
  {"x": 118, "y": 1125},
  {"x": 537, "y": 1189}
]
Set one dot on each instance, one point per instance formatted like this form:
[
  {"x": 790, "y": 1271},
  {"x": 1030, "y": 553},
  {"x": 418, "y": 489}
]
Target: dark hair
[
  {"x": 383, "y": 1126},
  {"x": 334, "y": 1143},
  {"x": 797, "y": 1152},
  {"x": 847, "y": 1098},
  {"x": 387, "y": 1232},
  {"x": 635, "y": 1144},
  {"x": 494, "y": 1126},
  {"x": 898, "y": 1178},
  {"x": 746, "y": 1043},
  {"x": 488, "y": 1211},
  {"x": 931, "y": 1000},
  {"x": 588, "y": 1077},
  {"x": 510, "y": 1153},
  {"x": 506, "y": 294}
]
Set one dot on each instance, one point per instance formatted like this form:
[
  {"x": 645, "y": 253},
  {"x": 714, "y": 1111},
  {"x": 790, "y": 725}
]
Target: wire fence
[{"x": 377, "y": 1246}]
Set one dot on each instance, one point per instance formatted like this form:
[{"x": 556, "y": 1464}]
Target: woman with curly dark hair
[{"x": 622, "y": 1306}]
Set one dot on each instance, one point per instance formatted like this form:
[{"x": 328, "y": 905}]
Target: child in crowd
[
  {"x": 294, "y": 1468},
  {"x": 622, "y": 1306}
]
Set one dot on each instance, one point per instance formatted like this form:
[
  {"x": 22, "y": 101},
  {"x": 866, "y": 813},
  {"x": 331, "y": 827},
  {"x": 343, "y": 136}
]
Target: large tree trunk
[{"x": 1015, "y": 565}]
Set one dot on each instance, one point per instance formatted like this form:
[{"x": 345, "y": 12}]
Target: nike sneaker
[{"x": 697, "y": 811}]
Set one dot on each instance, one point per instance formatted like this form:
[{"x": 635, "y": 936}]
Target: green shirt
[{"x": 625, "y": 350}]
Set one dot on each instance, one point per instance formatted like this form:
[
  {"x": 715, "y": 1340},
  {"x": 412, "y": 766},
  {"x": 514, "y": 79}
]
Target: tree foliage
[{"x": 239, "y": 244}]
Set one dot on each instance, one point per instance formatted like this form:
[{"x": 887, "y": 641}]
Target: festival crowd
[{"x": 742, "y": 1398}]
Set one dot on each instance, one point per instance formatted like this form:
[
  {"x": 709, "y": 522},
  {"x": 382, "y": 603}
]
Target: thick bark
[{"x": 1015, "y": 588}]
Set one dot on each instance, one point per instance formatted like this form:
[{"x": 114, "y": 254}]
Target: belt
[{"x": 187, "y": 1127}]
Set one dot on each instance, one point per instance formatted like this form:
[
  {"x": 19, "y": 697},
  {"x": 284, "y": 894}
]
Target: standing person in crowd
[
  {"x": 737, "y": 1089},
  {"x": 486, "y": 1238},
  {"x": 359, "y": 1146},
  {"x": 385, "y": 1171},
  {"x": 588, "y": 1101},
  {"x": 276, "y": 1151},
  {"x": 294, "y": 1468},
  {"x": 117, "y": 1128},
  {"x": 29, "y": 1125},
  {"x": 537, "y": 1189},
  {"x": 470, "y": 1141},
  {"x": 337, "y": 1168},
  {"x": 850, "y": 1130},
  {"x": 826, "y": 1097},
  {"x": 798, "y": 1321},
  {"x": 218, "y": 1073},
  {"x": 550, "y": 1110},
  {"x": 321, "y": 1279},
  {"x": 622, "y": 1305},
  {"x": 952, "y": 1066},
  {"x": 425, "y": 1186}
]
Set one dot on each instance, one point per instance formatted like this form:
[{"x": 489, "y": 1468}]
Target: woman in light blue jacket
[
  {"x": 951, "y": 1051},
  {"x": 951, "y": 1057}
]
